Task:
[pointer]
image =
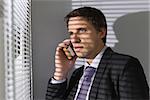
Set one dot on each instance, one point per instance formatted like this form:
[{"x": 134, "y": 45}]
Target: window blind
[
  {"x": 16, "y": 25},
  {"x": 113, "y": 9}
]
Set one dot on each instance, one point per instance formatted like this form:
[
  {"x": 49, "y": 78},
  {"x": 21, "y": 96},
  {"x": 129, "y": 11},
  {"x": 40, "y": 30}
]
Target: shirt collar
[{"x": 96, "y": 60}]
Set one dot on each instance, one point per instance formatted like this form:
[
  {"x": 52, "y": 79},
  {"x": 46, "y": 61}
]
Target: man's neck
[{"x": 89, "y": 60}]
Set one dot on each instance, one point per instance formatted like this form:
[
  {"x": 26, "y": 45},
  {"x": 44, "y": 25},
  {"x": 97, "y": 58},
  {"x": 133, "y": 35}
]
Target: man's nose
[{"x": 75, "y": 38}]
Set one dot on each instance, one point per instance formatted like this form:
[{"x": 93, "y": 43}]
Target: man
[{"x": 114, "y": 76}]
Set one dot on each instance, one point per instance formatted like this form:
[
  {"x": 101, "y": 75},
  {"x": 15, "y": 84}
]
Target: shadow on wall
[{"x": 132, "y": 31}]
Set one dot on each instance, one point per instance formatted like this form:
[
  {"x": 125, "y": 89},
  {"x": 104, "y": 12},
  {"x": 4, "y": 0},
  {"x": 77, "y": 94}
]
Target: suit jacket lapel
[
  {"x": 100, "y": 71},
  {"x": 73, "y": 84}
]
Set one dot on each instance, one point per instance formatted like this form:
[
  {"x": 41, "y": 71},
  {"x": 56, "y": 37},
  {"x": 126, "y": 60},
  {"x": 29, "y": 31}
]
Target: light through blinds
[
  {"x": 113, "y": 9},
  {"x": 16, "y": 46}
]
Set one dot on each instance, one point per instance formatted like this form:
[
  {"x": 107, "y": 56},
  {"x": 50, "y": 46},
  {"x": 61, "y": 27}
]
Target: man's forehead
[{"x": 77, "y": 20}]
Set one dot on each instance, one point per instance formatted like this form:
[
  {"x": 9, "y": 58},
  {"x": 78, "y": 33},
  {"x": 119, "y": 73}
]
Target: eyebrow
[
  {"x": 81, "y": 28},
  {"x": 78, "y": 29}
]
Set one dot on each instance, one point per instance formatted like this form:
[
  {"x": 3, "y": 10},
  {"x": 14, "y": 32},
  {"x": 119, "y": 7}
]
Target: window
[{"x": 16, "y": 62}]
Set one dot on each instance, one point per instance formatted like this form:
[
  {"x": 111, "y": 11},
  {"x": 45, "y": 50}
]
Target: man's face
[{"x": 87, "y": 42}]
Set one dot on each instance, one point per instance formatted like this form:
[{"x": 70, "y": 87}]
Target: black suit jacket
[{"x": 118, "y": 77}]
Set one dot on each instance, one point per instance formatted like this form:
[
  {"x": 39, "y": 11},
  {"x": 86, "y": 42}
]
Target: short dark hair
[{"x": 93, "y": 15}]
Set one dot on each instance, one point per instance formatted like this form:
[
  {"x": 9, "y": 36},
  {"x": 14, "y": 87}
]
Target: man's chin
[{"x": 80, "y": 55}]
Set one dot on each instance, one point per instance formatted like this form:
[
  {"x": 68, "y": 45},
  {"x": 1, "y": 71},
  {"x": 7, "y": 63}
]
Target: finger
[
  {"x": 67, "y": 41},
  {"x": 63, "y": 45},
  {"x": 67, "y": 53}
]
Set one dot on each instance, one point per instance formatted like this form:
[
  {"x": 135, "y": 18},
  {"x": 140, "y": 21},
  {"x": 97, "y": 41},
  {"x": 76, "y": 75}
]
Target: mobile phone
[{"x": 70, "y": 49}]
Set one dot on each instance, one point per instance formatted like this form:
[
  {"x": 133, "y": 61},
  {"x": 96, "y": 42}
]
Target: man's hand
[{"x": 62, "y": 64}]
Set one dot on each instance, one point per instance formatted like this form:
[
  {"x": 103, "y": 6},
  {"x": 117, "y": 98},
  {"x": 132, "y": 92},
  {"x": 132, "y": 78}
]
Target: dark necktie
[{"x": 88, "y": 73}]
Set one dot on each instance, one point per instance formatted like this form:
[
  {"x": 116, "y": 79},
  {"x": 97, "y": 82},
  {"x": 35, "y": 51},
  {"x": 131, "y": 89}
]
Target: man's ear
[{"x": 102, "y": 33}]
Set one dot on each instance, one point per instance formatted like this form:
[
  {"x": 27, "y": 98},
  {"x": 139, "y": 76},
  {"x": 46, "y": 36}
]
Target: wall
[
  {"x": 48, "y": 30},
  {"x": 133, "y": 35}
]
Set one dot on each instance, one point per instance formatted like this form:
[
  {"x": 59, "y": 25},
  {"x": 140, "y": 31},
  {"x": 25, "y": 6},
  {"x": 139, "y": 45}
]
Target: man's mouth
[{"x": 78, "y": 48}]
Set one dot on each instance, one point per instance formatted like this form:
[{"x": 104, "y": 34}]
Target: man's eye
[{"x": 82, "y": 30}]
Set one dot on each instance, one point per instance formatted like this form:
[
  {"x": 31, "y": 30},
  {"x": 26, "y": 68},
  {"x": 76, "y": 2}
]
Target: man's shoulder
[
  {"x": 121, "y": 56},
  {"x": 121, "y": 60}
]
